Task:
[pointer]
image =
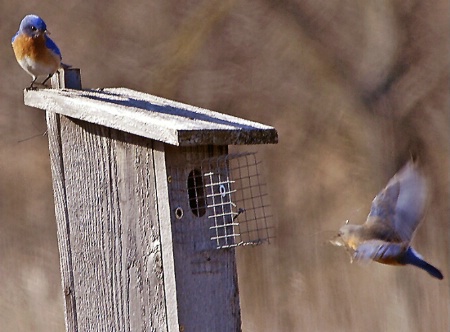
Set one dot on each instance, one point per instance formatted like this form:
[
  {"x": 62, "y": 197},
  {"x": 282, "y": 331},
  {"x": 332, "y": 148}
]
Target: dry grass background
[{"x": 353, "y": 87}]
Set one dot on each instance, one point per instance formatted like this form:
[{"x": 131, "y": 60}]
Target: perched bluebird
[
  {"x": 394, "y": 216},
  {"x": 35, "y": 52}
]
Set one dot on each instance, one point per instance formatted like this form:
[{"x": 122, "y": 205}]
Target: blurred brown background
[{"x": 353, "y": 88}]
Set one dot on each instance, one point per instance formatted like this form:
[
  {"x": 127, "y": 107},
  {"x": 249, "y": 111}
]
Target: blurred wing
[
  {"x": 401, "y": 205},
  {"x": 52, "y": 46},
  {"x": 411, "y": 201},
  {"x": 383, "y": 206},
  {"x": 380, "y": 251}
]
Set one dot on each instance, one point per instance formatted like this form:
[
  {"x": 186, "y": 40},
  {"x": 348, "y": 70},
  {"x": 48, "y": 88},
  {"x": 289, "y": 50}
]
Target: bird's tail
[{"x": 413, "y": 258}]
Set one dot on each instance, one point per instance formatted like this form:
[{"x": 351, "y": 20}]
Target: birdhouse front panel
[
  {"x": 217, "y": 201},
  {"x": 198, "y": 265}
]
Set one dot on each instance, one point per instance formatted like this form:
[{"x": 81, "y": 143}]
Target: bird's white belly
[{"x": 36, "y": 69}]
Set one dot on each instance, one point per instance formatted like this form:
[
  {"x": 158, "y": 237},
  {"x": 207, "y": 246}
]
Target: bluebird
[
  {"x": 35, "y": 52},
  {"x": 396, "y": 212}
]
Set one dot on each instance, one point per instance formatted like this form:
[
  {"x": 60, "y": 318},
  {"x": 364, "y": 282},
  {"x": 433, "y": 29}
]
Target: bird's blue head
[{"x": 33, "y": 26}]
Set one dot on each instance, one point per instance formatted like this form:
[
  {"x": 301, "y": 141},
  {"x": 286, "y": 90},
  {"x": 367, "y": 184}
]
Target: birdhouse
[{"x": 150, "y": 205}]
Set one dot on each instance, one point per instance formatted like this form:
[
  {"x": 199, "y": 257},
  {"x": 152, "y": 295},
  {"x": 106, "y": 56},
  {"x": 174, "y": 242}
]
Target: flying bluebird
[
  {"x": 35, "y": 52},
  {"x": 394, "y": 216}
]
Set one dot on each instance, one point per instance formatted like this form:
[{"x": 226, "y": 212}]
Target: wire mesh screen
[{"x": 237, "y": 200}]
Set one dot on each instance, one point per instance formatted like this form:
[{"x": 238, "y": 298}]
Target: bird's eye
[{"x": 33, "y": 28}]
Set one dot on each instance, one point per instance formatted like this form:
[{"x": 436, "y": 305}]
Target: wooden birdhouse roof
[{"x": 151, "y": 117}]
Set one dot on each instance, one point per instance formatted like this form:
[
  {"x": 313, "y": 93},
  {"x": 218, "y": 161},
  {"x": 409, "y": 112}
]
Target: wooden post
[
  {"x": 134, "y": 254},
  {"x": 67, "y": 78}
]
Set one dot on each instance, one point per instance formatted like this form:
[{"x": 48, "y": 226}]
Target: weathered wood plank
[
  {"x": 167, "y": 248},
  {"x": 153, "y": 117},
  {"x": 62, "y": 220},
  {"x": 113, "y": 229}
]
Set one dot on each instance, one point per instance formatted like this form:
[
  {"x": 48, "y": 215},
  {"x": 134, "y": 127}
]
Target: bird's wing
[
  {"x": 380, "y": 251},
  {"x": 401, "y": 204},
  {"x": 411, "y": 201},
  {"x": 52, "y": 46},
  {"x": 382, "y": 210}
]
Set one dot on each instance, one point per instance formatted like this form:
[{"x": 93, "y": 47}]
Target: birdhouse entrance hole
[{"x": 196, "y": 193}]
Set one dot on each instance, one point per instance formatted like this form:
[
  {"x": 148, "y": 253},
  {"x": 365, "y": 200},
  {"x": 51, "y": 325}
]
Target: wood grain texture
[
  {"x": 153, "y": 117},
  {"x": 170, "y": 284},
  {"x": 62, "y": 220},
  {"x": 108, "y": 228}
]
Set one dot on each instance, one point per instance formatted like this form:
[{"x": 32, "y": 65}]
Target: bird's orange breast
[
  {"x": 353, "y": 242},
  {"x": 389, "y": 261},
  {"x": 35, "y": 49}
]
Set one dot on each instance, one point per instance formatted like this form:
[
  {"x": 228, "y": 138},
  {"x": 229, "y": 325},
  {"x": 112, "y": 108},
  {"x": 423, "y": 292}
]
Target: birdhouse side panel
[{"x": 108, "y": 230}]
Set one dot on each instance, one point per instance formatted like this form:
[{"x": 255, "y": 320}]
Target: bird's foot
[{"x": 36, "y": 86}]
